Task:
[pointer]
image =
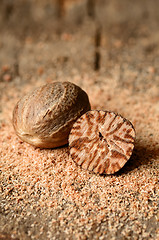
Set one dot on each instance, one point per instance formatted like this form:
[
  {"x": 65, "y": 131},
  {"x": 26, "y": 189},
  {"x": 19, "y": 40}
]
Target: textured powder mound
[
  {"x": 45, "y": 116},
  {"x": 101, "y": 141}
]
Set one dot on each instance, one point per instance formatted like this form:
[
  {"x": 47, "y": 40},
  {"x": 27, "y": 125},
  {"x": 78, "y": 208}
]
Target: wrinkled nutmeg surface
[
  {"x": 101, "y": 141},
  {"x": 45, "y": 116}
]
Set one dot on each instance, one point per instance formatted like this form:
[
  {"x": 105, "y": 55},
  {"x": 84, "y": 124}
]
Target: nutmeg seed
[
  {"x": 101, "y": 141},
  {"x": 45, "y": 116}
]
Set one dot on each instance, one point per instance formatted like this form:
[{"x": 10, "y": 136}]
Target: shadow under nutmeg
[{"x": 142, "y": 155}]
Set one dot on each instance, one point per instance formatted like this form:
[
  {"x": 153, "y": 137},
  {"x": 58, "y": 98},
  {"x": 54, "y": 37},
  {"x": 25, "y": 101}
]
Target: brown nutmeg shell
[{"x": 44, "y": 117}]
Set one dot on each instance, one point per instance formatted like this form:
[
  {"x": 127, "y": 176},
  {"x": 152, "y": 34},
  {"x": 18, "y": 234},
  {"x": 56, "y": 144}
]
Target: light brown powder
[{"x": 74, "y": 202}]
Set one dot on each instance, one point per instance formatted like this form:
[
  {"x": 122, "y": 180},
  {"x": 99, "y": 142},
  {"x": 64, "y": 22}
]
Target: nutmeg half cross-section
[
  {"x": 101, "y": 141},
  {"x": 44, "y": 117}
]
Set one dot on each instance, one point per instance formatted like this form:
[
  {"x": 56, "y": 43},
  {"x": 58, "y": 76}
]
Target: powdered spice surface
[{"x": 74, "y": 202}]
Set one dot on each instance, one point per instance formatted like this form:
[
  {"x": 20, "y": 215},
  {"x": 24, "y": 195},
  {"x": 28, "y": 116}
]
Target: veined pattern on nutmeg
[{"x": 101, "y": 141}]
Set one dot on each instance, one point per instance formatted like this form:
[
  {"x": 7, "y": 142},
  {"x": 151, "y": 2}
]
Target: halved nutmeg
[{"x": 101, "y": 141}]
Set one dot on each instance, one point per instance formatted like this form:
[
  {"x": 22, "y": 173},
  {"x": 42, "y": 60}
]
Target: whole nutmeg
[{"x": 45, "y": 116}]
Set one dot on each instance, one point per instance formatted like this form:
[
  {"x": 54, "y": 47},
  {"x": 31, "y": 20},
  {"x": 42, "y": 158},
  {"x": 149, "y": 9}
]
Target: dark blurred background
[{"x": 41, "y": 37}]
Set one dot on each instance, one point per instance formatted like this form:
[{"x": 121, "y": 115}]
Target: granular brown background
[{"x": 111, "y": 50}]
